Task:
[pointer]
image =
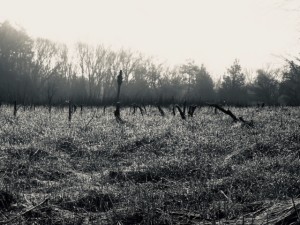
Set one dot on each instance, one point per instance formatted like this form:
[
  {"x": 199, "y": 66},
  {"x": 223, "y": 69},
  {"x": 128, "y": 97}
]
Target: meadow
[{"x": 151, "y": 169}]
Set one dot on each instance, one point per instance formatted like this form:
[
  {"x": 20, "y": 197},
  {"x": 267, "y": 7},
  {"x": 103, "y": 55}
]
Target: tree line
[{"x": 42, "y": 72}]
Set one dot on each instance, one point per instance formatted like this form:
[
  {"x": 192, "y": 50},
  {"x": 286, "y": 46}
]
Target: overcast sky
[{"x": 212, "y": 32}]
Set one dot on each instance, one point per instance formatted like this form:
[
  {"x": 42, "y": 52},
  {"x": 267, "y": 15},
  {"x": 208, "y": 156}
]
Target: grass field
[{"x": 150, "y": 170}]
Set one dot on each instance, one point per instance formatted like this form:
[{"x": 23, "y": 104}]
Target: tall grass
[{"x": 150, "y": 170}]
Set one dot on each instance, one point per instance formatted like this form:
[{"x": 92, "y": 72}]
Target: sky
[{"x": 259, "y": 33}]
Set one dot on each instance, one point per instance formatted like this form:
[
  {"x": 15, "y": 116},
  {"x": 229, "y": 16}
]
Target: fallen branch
[
  {"x": 228, "y": 112},
  {"x": 234, "y": 117},
  {"x": 248, "y": 123}
]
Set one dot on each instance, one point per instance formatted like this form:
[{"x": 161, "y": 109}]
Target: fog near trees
[{"x": 39, "y": 71}]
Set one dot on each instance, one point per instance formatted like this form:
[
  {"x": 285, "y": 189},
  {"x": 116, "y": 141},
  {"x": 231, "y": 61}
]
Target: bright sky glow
[{"x": 212, "y": 32}]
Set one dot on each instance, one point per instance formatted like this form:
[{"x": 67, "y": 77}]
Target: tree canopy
[{"x": 40, "y": 71}]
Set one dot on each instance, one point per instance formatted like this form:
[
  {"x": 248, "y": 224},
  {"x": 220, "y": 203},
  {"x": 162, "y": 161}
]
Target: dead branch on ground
[{"x": 234, "y": 117}]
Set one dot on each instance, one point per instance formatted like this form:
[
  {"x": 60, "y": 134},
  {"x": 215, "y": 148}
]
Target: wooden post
[
  {"x": 144, "y": 107},
  {"x": 70, "y": 111},
  {"x": 162, "y": 113},
  {"x": 15, "y": 108},
  {"x": 49, "y": 107},
  {"x": 135, "y": 106},
  {"x": 74, "y": 108},
  {"x": 118, "y": 105},
  {"x": 184, "y": 108},
  {"x": 119, "y": 80},
  {"x": 181, "y": 112},
  {"x": 192, "y": 109}
]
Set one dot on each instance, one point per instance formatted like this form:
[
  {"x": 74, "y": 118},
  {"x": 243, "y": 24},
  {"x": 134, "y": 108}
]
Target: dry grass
[{"x": 150, "y": 170}]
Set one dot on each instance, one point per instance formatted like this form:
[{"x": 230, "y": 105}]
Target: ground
[{"x": 151, "y": 169}]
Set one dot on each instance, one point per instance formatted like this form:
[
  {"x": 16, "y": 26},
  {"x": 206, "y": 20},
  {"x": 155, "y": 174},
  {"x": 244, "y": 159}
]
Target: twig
[
  {"x": 295, "y": 209},
  {"x": 88, "y": 123},
  {"x": 23, "y": 213},
  {"x": 229, "y": 199},
  {"x": 188, "y": 215}
]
